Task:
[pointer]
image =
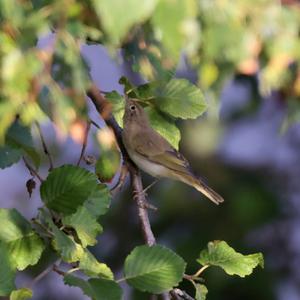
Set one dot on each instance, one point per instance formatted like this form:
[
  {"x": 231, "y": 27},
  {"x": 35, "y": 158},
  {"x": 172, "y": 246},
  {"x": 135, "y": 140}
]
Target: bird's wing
[{"x": 161, "y": 152}]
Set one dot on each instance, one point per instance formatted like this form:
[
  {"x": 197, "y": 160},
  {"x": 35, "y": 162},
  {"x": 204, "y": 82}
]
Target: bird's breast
[{"x": 148, "y": 166}]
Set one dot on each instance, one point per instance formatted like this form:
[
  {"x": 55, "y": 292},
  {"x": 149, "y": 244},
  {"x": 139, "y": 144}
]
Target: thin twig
[
  {"x": 95, "y": 124},
  {"x": 45, "y": 148},
  {"x": 32, "y": 171},
  {"x": 57, "y": 270},
  {"x": 84, "y": 144},
  {"x": 43, "y": 274}
]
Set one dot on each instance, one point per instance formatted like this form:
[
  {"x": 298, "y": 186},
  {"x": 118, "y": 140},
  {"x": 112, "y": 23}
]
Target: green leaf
[
  {"x": 24, "y": 245},
  {"x": 180, "y": 99},
  {"x": 96, "y": 288},
  {"x": 201, "y": 291},
  {"x": 19, "y": 137},
  {"x": 219, "y": 253},
  {"x": 67, "y": 187},
  {"x": 85, "y": 225},
  {"x": 7, "y": 272},
  {"x": 9, "y": 156},
  {"x": 118, "y": 106},
  {"x": 119, "y": 16},
  {"x": 153, "y": 269},
  {"x": 108, "y": 164},
  {"x": 99, "y": 201},
  {"x": 21, "y": 294},
  {"x": 168, "y": 20},
  {"x": 92, "y": 267},
  {"x": 69, "y": 250},
  {"x": 18, "y": 141},
  {"x": 165, "y": 126}
]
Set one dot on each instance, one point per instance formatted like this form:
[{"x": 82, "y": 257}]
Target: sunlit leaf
[
  {"x": 24, "y": 245},
  {"x": 201, "y": 292},
  {"x": 114, "y": 19},
  {"x": 181, "y": 99},
  {"x": 219, "y": 253},
  {"x": 92, "y": 267},
  {"x": 21, "y": 294}
]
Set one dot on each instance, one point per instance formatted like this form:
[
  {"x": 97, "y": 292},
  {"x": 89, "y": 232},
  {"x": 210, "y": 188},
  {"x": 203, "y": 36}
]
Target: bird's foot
[{"x": 147, "y": 205}]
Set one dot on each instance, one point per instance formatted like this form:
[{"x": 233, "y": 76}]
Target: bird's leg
[
  {"x": 149, "y": 186},
  {"x": 143, "y": 192}
]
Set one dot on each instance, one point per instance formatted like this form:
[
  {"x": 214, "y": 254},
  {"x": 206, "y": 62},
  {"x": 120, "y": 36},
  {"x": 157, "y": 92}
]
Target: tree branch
[
  {"x": 104, "y": 108},
  {"x": 84, "y": 144},
  {"x": 45, "y": 148},
  {"x": 33, "y": 172}
]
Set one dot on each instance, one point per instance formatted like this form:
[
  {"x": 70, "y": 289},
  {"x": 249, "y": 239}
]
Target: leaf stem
[{"x": 200, "y": 271}]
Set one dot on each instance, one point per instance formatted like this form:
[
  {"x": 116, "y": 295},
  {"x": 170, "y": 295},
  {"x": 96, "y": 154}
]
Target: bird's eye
[{"x": 132, "y": 107}]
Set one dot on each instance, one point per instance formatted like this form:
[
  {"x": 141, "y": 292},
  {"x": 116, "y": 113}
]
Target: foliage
[{"x": 217, "y": 39}]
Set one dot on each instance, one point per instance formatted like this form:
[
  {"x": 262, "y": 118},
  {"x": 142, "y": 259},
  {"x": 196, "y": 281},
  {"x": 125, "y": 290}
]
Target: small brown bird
[{"x": 154, "y": 154}]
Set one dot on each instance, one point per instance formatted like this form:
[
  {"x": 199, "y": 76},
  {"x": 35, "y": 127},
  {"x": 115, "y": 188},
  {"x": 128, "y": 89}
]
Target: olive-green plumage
[{"x": 154, "y": 154}]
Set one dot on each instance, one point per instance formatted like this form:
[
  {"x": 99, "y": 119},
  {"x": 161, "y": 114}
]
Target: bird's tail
[{"x": 200, "y": 186}]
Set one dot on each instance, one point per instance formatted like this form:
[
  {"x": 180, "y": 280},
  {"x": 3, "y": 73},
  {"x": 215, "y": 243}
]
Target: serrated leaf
[
  {"x": 96, "y": 288},
  {"x": 114, "y": 19},
  {"x": 67, "y": 187},
  {"x": 201, "y": 291},
  {"x": 165, "y": 126},
  {"x": 99, "y": 201},
  {"x": 69, "y": 250},
  {"x": 118, "y": 103},
  {"x": 85, "y": 225},
  {"x": 180, "y": 99},
  {"x": 24, "y": 245},
  {"x": 21, "y": 294},
  {"x": 153, "y": 269},
  {"x": 9, "y": 156},
  {"x": 92, "y": 267},
  {"x": 219, "y": 253},
  {"x": 7, "y": 272}
]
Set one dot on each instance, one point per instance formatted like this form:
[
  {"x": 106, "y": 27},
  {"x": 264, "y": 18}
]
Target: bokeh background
[{"x": 246, "y": 146}]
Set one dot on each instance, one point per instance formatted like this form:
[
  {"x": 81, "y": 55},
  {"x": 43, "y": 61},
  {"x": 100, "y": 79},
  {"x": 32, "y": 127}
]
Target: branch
[
  {"x": 32, "y": 171},
  {"x": 84, "y": 144},
  {"x": 104, "y": 108},
  {"x": 45, "y": 148},
  {"x": 43, "y": 273}
]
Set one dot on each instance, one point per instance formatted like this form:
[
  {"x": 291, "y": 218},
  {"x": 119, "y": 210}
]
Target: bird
[{"x": 153, "y": 154}]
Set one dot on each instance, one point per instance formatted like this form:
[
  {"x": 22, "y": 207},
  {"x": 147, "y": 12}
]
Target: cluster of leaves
[
  {"x": 74, "y": 201},
  {"x": 69, "y": 223},
  {"x": 218, "y": 38},
  {"x": 39, "y": 83}
]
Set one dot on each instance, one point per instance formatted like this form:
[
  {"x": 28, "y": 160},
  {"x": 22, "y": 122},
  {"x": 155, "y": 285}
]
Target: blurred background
[{"x": 246, "y": 147}]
